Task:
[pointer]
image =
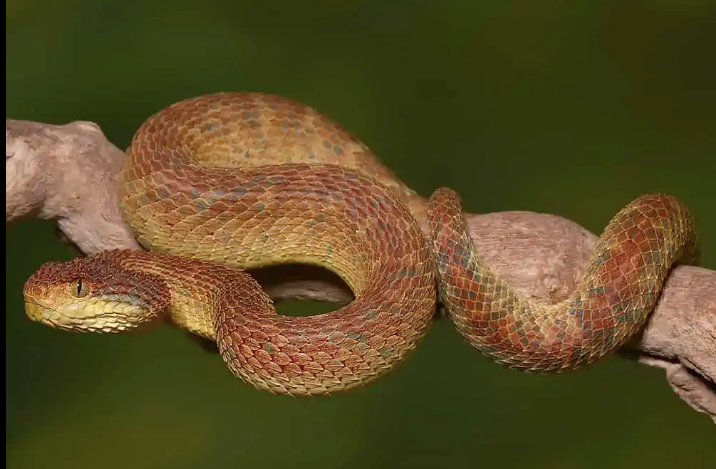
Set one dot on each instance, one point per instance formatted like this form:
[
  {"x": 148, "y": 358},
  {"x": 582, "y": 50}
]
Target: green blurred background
[{"x": 572, "y": 108}]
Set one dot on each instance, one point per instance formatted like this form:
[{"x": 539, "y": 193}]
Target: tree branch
[{"x": 67, "y": 173}]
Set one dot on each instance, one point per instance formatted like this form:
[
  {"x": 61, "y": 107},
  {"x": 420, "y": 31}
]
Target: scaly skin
[
  {"x": 248, "y": 180},
  {"x": 121, "y": 290},
  {"x": 610, "y": 305},
  {"x": 191, "y": 188}
]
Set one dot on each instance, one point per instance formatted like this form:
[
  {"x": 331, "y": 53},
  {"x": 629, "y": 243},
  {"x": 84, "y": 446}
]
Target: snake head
[{"x": 93, "y": 294}]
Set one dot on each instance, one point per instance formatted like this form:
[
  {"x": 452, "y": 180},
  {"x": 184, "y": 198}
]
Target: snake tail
[{"x": 618, "y": 291}]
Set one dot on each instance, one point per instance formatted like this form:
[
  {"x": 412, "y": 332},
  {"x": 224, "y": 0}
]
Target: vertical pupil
[{"x": 79, "y": 286}]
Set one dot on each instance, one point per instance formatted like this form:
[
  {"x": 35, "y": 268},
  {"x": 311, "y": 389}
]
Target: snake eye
[{"x": 80, "y": 289}]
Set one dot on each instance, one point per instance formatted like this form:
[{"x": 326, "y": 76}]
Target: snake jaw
[{"x": 86, "y": 316}]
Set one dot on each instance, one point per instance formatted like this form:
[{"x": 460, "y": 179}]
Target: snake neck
[{"x": 194, "y": 288}]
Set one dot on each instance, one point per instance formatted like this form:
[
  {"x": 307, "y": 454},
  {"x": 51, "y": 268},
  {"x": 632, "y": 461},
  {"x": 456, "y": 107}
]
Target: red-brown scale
[
  {"x": 183, "y": 194},
  {"x": 618, "y": 291}
]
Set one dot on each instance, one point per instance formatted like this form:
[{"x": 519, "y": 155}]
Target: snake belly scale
[{"x": 231, "y": 181}]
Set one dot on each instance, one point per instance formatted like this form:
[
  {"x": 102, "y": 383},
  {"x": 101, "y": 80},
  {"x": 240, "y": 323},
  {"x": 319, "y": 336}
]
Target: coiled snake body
[{"x": 231, "y": 181}]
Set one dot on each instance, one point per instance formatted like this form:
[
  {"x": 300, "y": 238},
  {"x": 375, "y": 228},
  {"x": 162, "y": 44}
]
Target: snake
[{"x": 222, "y": 183}]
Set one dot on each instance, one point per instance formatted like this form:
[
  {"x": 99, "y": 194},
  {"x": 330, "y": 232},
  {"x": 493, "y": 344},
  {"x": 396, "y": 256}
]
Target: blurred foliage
[{"x": 572, "y": 108}]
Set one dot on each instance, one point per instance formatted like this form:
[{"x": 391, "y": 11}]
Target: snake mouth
[
  {"x": 38, "y": 312},
  {"x": 44, "y": 314},
  {"x": 76, "y": 318}
]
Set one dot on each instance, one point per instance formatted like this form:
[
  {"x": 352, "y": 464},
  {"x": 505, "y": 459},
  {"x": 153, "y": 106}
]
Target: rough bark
[{"x": 67, "y": 172}]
